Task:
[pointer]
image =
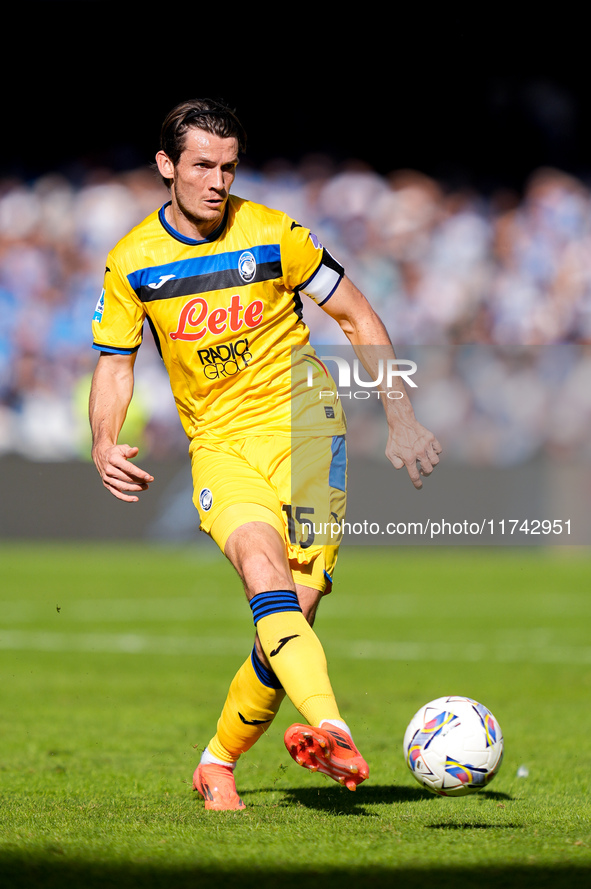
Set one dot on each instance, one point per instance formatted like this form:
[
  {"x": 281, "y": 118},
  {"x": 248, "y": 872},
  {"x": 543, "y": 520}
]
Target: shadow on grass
[
  {"x": 24, "y": 872},
  {"x": 475, "y": 825},
  {"x": 336, "y": 800}
]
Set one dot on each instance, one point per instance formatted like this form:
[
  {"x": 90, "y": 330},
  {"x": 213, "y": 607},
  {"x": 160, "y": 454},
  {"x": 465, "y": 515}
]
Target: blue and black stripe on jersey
[{"x": 202, "y": 274}]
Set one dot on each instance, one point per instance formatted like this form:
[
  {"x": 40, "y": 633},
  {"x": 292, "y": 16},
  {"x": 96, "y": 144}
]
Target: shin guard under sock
[
  {"x": 295, "y": 654},
  {"x": 253, "y": 700}
]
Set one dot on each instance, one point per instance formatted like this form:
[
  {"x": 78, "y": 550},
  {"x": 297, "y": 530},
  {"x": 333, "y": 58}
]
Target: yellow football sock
[
  {"x": 295, "y": 654},
  {"x": 252, "y": 703}
]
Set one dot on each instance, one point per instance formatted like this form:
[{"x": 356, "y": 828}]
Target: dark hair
[{"x": 211, "y": 115}]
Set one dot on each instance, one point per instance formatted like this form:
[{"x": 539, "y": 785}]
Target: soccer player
[{"x": 220, "y": 281}]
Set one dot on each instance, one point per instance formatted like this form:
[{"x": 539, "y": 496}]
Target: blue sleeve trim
[{"x": 114, "y": 351}]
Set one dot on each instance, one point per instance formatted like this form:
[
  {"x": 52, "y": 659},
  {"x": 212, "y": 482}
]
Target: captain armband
[{"x": 325, "y": 280}]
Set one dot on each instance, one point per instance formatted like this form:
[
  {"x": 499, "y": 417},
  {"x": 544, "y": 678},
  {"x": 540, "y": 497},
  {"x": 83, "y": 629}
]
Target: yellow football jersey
[{"x": 226, "y": 314}]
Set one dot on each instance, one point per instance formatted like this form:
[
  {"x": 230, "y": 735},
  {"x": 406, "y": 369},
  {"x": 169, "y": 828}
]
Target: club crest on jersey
[
  {"x": 247, "y": 266},
  {"x": 205, "y": 499}
]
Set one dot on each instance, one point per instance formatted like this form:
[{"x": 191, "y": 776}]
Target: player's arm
[
  {"x": 409, "y": 443},
  {"x": 110, "y": 396}
]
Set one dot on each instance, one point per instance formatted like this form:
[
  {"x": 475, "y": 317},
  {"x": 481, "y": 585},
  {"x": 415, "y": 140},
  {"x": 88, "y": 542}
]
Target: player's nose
[{"x": 216, "y": 180}]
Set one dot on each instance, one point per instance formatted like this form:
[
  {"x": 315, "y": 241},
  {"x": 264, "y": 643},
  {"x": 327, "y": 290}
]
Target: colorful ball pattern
[{"x": 453, "y": 746}]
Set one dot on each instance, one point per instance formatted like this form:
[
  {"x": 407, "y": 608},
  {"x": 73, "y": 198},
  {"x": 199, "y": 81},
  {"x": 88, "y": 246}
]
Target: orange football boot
[
  {"x": 217, "y": 786},
  {"x": 328, "y": 750}
]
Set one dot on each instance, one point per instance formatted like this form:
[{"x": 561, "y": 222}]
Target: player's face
[{"x": 202, "y": 179}]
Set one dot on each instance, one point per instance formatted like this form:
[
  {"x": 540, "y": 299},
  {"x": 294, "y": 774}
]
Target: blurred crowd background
[{"x": 496, "y": 287}]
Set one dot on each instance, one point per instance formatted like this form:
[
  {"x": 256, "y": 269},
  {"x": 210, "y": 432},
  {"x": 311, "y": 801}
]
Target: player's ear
[{"x": 165, "y": 165}]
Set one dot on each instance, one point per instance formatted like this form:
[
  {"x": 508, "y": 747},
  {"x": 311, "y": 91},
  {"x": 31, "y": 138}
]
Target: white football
[{"x": 453, "y": 746}]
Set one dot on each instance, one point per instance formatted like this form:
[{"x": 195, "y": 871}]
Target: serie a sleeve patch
[{"x": 118, "y": 318}]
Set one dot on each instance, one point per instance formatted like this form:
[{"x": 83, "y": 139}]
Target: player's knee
[
  {"x": 261, "y": 572},
  {"x": 258, "y": 554},
  {"x": 309, "y": 600}
]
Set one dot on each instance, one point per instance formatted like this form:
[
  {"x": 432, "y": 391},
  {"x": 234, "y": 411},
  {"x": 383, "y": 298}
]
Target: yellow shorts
[{"x": 296, "y": 485}]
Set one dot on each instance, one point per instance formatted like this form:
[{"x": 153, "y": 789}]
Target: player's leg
[
  {"x": 325, "y": 743},
  {"x": 287, "y": 657},
  {"x": 253, "y": 699},
  {"x": 285, "y": 640},
  {"x": 255, "y": 694},
  {"x": 287, "y": 644},
  {"x": 317, "y": 489},
  {"x": 258, "y": 552}
]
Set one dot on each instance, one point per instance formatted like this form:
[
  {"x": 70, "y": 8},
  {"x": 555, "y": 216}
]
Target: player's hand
[
  {"x": 119, "y": 475},
  {"x": 413, "y": 446}
]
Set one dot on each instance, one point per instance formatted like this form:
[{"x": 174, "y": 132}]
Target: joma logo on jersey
[
  {"x": 196, "y": 318},
  {"x": 225, "y": 360}
]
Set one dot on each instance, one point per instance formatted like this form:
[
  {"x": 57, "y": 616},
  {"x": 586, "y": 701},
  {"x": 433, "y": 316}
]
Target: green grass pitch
[{"x": 115, "y": 662}]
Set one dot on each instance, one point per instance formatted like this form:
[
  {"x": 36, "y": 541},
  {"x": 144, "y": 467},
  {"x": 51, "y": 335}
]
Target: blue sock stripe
[
  {"x": 265, "y": 676},
  {"x": 273, "y": 602}
]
